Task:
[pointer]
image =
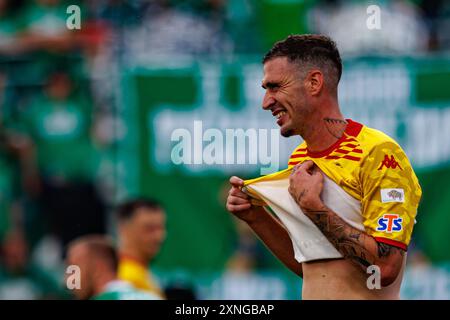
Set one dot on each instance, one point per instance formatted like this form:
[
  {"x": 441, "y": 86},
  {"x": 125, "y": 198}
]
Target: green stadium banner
[{"x": 180, "y": 110}]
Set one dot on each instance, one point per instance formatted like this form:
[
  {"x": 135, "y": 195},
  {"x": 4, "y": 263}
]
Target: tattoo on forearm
[
  {"x": 385, "y": 250},
  {"x": 335, "y": 127},
  {"x": 348, "y": 241},
  {"x": 355, "y": 245},
  {"x": 355, "y": 236}
]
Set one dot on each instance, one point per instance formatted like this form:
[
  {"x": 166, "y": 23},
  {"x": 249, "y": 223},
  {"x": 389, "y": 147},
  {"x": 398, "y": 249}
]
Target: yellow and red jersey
[
  {"x": 137, "y": 274},
  {"x": 372, "y": 168}
]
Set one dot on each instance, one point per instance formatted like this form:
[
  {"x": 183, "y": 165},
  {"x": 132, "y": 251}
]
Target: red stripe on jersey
[
  {"x": 342, "y": 151},
  {"x": 349, "y": 140},
  {"x": 353, "y": 128},
  {"x": 357, "y": 151},
  {"x": 392, "y": 243},
  {"x": 298, "y": 156},
  {"x": 351, "y": 158},
  {"x": 293, "y": 163},
  {"x": 332, "y": 157},
  {"x": 349, "y": 145}
]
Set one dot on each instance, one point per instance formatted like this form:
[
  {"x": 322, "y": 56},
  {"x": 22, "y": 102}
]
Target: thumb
[
  {"x": 236, "y": 181},
  {"x": 307, "y": 165}
]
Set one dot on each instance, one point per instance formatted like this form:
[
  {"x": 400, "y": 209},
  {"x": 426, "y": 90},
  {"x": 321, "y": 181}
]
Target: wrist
[{"x": 255, "y": 215}]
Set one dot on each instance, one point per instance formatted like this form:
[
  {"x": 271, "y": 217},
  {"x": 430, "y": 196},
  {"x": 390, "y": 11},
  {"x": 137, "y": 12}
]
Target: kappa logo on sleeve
[
  {"x": 389, "y": 163},
  {"x": 392, "y": 195},
  {"x": 389, "y": 223}
]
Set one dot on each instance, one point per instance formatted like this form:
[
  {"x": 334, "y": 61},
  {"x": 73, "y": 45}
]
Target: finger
[
  {"x": 237, "y": 208},
  {"x": 320, "y": 178},
  {"x": 291, "y": 190},
  {"x": 295, "y": 168},
  {"x": 234, "y": 191},
  {"x": 237, "y": 200},
  {"x": 307, "y": 165},
  {"x": 236, "y": 181},
  {"x": 317, "y": 173}
]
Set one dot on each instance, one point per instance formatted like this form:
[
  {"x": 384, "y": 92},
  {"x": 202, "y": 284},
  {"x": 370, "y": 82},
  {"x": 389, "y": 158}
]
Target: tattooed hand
[{"x": 305, "y": 185}]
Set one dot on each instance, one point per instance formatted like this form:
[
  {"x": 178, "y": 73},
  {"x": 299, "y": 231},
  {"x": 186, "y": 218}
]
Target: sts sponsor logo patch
[{"x": 390, "y": 222}]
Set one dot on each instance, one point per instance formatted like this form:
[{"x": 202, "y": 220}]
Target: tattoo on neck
[
  {"x": 335, "y": 121},
  {"x": 335, "y": 127}
]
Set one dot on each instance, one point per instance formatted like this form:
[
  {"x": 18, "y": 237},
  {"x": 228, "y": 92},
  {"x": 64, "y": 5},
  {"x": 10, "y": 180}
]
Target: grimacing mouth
[{"x": 279, "y": 112}]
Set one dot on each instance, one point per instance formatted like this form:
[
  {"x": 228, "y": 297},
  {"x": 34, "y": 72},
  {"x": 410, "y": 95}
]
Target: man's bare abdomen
[{"x": 342, "y": 279}]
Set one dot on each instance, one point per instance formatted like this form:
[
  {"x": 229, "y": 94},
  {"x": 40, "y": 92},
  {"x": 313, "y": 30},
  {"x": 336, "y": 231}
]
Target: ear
[{"x": 314, "y": 82}]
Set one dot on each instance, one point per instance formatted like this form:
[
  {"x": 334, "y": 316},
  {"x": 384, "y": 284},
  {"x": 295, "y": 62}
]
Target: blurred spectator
[
  {"x": 6, "y": 173},
  {"x": 97, "y": 260},
  {"x": 141, "y": 231},
  {"x": 245, "y": 258},
  {"x": 11, "y": 26},
  {"x": 402, "y": 29},
  {"x": 19, "y": 277},
  {"x": 241, "y": 23},
  {"x": 183, "y": 290},
  {"x": 165, "y": 30},
  {"x": 7, "y": 176},
  {"x": 59, "y": 124},
  {"x": 46, "y": 26},
  {"x": 437, "y": 19}
]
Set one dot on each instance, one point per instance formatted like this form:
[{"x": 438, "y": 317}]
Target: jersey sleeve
[{"x": 390, "y": 194}]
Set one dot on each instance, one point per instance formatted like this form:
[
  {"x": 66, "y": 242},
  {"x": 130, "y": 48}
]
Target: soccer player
[
  {"x": 141, "y": 231},
  {"x": 301, "y": 76},
  {"x": 97, "y": 261}
]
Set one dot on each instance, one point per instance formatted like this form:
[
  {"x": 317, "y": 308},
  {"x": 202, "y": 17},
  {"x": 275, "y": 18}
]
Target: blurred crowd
[{"x": 60, "y": 107}]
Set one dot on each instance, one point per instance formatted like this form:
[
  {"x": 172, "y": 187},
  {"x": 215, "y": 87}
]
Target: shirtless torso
[{"x": 342, "y": 279}]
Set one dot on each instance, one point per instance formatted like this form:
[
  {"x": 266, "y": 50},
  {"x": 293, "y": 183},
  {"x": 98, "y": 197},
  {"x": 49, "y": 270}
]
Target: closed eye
[{"x": 270, "y": 85}]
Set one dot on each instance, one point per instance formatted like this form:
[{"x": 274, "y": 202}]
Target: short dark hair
[
  {"x": 100, "y": 247},
  {"x": 318, "y": 50},
  {"x": 127, "y": 209}
]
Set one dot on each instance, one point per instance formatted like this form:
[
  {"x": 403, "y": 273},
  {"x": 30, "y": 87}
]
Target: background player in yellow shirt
[
  {"x": 301, "y": 76},
  {"x": 141, "y": 232},
  {"x": 97, "y": 260}
]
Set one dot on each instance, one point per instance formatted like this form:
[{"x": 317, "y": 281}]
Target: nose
[{"x": 268, "y": 101}]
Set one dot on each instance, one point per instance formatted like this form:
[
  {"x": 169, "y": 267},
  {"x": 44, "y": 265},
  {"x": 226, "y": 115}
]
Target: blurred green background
[{"x": 88, "y": 116}]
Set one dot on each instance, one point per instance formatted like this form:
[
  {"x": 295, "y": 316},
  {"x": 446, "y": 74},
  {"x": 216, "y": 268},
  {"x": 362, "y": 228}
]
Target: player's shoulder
[
  {"x": 366, "y": 138},
  {"x": 300, "y": 149},
  {"x": 371, "y": 137},
  {"x": 381, "y": 150},
  {"x": 299, "y": 152},
  {"x": 371, "y": 140}
]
